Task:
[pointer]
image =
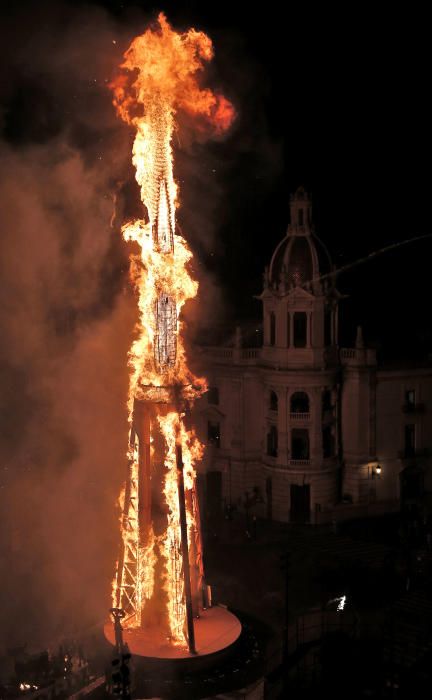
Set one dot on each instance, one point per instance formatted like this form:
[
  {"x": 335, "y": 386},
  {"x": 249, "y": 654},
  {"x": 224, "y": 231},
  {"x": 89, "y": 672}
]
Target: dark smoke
[
  {"x": 67, "y": 314},
  {"x": 65, "y": 322}
]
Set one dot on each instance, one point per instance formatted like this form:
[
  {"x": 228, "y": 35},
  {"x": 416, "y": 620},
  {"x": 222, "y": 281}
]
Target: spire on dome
[
  {"x": 301, "y": 213},
  {"x": 301, "y": 256}
]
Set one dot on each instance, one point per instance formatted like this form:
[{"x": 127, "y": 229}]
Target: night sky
[{"x": 336, "y": 100}]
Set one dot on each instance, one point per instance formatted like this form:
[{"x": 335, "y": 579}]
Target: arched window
[
  {"x": 272, "y": 441},
  {"x": 273, "y": 401},
  {"x": 299, "y": 402},
  {"x": 272, "y": 328}
]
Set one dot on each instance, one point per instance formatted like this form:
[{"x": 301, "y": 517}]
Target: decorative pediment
[{"x": 299, "y": 293}]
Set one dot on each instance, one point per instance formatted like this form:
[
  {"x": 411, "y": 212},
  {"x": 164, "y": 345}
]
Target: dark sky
[{"x": 335, "y": 99}]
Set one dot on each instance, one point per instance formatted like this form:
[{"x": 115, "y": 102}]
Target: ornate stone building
[{"x": 300, "y": 429}]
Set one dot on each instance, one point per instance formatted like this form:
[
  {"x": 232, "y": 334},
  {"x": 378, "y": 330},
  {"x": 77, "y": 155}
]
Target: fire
[
  {"x": 175, "y": 432},
  {"x": 161, "y": 76}
]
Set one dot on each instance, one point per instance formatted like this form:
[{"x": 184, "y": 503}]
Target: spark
[{"x": 342, "y": 602}]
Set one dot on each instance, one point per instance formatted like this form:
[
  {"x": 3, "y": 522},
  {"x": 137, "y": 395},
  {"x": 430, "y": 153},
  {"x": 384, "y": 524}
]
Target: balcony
[
  {"x": 274, "y": 462},
  {"x": 229, "y": 355},
  {"x": 413, "y": 408},
  {"x": 250, "y": 354},
  {"x": 297, "y": 416},
  {"x": 348, "y": 353},
  {"x": 219, "y": 353},
  {"x": 358, "y": 356}
]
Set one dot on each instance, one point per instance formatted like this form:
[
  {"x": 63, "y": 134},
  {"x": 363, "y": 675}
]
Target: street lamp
[{"x": 374, "y": 471}]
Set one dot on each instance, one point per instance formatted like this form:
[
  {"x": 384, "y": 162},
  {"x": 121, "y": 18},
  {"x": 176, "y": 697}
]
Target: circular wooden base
[{"x": 215, "y": 630}]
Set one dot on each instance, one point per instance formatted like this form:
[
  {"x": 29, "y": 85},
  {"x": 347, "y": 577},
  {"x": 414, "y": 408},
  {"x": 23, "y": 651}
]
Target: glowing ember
[{"x": 161, "y": 77}]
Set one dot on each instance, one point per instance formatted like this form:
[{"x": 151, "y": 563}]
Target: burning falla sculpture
[{"x": 159, "y": 581}]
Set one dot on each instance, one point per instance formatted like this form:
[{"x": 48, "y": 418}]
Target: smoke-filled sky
[
  {"x": 338, "y": 103},
  {"x": 66, "y": 320},
  {"x": 65, "y": 323}
]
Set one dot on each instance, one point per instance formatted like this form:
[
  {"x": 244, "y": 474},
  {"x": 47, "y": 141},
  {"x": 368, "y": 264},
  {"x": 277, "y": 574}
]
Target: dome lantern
[{"x": 300, "y": 257}]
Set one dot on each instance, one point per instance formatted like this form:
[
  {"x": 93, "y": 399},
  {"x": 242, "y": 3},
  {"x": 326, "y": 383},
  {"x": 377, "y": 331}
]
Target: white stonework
[{"x": 300, "y": 429}]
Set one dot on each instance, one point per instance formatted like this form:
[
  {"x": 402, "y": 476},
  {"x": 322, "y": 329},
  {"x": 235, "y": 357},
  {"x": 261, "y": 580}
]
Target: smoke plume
[
  {"x": 67, "y": 312},
  {"x": 66, "y": 318}
]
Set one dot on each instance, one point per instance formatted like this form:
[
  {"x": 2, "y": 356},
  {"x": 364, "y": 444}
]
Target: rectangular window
[
  {"x": 213, "y": 396},
  {"x": 300, "y": 329},
  {"x": 410, "y": 440},
  {"x": 272, "y": 441},
  {"x": 328, "y": 442},
  {"x": 327, "y": 400},
  {"x": 213, "y": 433},
  {"x": 272, "y": 329},
  {"x": 288, "y": 330},
  {"x": 410, "y": 397},
  {"x": 299, "y": 444},
  {"x": 300, "y": 217}
]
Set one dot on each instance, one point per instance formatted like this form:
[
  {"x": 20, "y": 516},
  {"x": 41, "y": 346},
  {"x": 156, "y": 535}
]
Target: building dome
[
  {"x": 299, "y": 259},
  {"x": 301, "y": 256}
]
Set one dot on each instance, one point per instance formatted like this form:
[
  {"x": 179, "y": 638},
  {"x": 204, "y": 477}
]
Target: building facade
[{"x": 301, "y": 430}]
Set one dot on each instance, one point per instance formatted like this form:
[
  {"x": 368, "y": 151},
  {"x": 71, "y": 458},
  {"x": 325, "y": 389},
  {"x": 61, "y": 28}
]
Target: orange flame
[
  {"x": 174, "y": 431},
  {"x": 163, "y": 68}
]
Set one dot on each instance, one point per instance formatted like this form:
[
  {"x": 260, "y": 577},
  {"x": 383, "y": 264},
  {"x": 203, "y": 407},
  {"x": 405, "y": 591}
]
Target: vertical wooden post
[{"x": 185, "y": 551}]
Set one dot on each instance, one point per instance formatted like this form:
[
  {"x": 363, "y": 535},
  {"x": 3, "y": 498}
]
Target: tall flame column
[{"x": 160, "y": 578}]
